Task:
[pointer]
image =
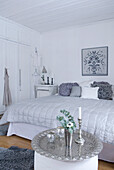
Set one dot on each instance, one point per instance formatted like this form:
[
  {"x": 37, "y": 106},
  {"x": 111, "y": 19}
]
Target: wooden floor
[{"x": 6, "y": 142}]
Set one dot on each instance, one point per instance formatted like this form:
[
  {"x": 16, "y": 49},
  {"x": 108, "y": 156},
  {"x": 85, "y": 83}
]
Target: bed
[{"x": 28, "y": 118}]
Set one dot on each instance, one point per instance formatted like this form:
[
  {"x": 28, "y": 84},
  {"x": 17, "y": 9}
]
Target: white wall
[
  {"x": 17, "y": 46},
  {"x": 61, "y": 50}
]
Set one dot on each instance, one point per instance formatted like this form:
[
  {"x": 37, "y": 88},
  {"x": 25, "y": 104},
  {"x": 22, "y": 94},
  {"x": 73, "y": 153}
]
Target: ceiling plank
[{"x": 43, "y": 15}]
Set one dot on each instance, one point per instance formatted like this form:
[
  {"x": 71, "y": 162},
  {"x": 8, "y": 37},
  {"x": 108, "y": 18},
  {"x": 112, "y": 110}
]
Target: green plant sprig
[{"x": 68, "y": 124}]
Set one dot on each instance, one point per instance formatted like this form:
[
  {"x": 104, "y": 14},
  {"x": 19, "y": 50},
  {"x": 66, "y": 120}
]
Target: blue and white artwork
[{"x": 95, "y": 61}]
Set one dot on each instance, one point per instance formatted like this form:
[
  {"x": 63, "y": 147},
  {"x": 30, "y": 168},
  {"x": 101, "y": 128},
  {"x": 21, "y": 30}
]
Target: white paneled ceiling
[{"x": 45, "y": 15}]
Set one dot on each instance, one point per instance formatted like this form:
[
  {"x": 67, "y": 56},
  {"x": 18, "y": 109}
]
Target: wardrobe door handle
[{"x": 20, "y": 79}]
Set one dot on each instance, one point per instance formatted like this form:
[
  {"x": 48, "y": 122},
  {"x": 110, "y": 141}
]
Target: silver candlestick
[{"x": 80, "y": 140}]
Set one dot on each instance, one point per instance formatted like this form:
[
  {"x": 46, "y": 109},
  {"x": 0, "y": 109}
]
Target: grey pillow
[
  {"x": 65, "y": 88},
  {"x": 113, "y": 90},
  {"x": 76, "y": 91},
  {"x": 105, "y": 90}
]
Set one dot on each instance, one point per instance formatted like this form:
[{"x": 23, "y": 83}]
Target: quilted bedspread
[{"x": 97, "y": 115}]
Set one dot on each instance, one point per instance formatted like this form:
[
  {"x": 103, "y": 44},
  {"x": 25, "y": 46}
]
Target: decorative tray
[{"x": 57, "y": 150}]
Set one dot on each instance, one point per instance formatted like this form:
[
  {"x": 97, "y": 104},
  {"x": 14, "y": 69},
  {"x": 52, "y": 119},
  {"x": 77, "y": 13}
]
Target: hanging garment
[{"x": 7, "y": 100}]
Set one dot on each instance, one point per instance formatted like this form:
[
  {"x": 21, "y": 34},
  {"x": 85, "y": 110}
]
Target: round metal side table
[{"x": 57, "y": 152}]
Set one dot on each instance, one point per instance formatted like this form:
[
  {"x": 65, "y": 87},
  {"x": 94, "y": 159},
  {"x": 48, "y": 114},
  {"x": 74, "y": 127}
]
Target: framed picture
[{"x": 95, "y": 61}]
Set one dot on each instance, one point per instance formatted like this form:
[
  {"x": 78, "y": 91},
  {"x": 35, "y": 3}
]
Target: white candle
[
  {"x": 52, "y": 75},
  {"x": 80, "y": 113}
]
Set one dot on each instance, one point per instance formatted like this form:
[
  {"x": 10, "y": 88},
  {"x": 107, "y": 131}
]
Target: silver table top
[{"x": 57, "y": 150}]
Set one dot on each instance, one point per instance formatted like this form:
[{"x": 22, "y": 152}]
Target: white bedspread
[{"x": 97, "y": 115}]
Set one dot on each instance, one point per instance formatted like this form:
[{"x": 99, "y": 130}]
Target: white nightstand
[{"x": 45, "y": 90}]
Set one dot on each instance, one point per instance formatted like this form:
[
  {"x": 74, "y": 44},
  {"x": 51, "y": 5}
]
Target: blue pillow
[{"x": 65, "y": 88}]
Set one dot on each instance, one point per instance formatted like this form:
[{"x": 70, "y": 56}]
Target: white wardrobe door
[
  {"x": 2, "y": 28},
  {"x": 2, "y": 66},
  {"x": 24, "y": 72},
  {"x": 12, "y": 66}
]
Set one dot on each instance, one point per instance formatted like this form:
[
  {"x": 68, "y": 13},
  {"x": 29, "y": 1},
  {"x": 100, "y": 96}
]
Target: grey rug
[
  {"x": 3, "y": 129},
  {"x": 15, "y": 158}
]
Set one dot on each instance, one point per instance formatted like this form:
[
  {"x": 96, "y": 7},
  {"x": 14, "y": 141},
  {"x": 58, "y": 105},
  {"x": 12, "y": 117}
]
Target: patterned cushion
[
  {"x": 65, "y": 88},
  {"x": 105, "y": 90}
]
